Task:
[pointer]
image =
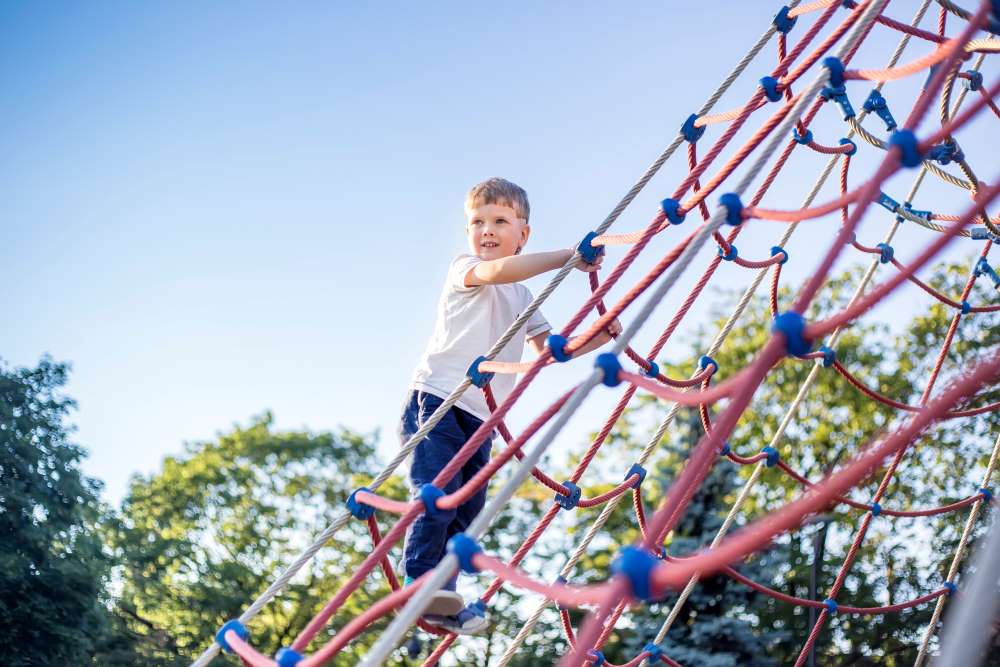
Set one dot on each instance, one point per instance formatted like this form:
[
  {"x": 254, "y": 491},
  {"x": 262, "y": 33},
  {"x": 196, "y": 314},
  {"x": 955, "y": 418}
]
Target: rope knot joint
[
  {"x": 464, "y": 548},
  {"x": 570, "y": 500}
]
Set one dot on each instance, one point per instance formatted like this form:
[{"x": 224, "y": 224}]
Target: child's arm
[
  {"x": 516, "y": 268},
  {"x": 537, "y": 343}
]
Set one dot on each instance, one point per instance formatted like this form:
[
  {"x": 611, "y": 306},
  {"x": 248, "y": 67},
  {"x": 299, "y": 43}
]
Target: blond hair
[{"x": 499, "y": 191}]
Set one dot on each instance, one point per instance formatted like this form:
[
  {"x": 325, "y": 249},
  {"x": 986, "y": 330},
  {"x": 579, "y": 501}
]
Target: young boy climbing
[{"x": 481, "y": 298}]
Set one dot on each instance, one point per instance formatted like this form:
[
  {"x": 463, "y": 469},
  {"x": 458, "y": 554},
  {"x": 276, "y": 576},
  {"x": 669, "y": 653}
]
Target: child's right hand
[{"x": 589, "y": 267}]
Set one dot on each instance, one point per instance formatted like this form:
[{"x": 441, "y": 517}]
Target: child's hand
[
  {"x": 589, "y": 268},
  {"x": 614, "y": 328}
]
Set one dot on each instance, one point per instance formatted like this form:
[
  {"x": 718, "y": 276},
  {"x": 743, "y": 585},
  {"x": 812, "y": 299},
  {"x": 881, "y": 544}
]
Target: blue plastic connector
[
  {"x": 849, "y": 4},
  {"x": 835, "y": 89},
  {"x": 705, "y": 361},
  {"x": 982, "y": 234},
  {"x": 568, "y": 502},
  {"x": 831, "y": 605},
  {"x": 557, "y": 344},
  {"x": 637, "y": 566},
  {"x": 595, "y": 657},
  {"x": 235, "y": 626},
  {"x": 428, "y": 496},
  {"x": 792, "y": 326},
  {"x": 731, "y": 255},
  {"x": 636, "y": 469},
  {"x": 478, "y": 378},
  {"x": 589, "y": 252},
  {"x": 654, "y": 369},
  {"x": 561, "y": 581},
  {"x": 853, "y": 146},
  {"x": 802, "y": 138},
  {"x": 672, "y": 209},
  {"x": 877, "y": 104},
  {"x": 609, "y": 363},
  {"x": 926, "y": 215},
  {"x": 359, "y": 510},
  {"x": 836, "y": 68},
  {"x": 734, "y": 208},
  {"x": 477, "y": 607},
  {"x": 726, "y": 449},
  {"x": 829, "y": 355},
  {"x": 775, "y": 249},
  {"x": 887, "y": 202},
  {"x": 974, "y": 82},
  {"x": 876, "y": 509},
  {"x": 772, "y": 456},
  {"x": 770, "y": 86},
  {"x": 782, "y": 23},
  {"x": 987, "y": 495},
  {"x": 664, "y": 554},
  {"x": 288, "y": 657},
  {"x": 691, "y": 132},
  {"x": 885, "y": 253},
  {"x": 654, "y": 650},
  {"x": 966, "y": 307},
  {"x": 945, "y": 153},
  {"x": 909, "y": 149},
  {"x": 952, "y": 588},
  {"x": 464, "y": 548}
]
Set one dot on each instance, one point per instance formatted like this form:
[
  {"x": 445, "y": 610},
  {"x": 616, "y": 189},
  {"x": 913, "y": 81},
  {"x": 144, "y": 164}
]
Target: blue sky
[{"x": 214, "y": 209}]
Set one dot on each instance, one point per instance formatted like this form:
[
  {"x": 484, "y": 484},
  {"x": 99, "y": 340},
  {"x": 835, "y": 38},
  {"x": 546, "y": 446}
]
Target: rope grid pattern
[{"x": 646, "y": 571}]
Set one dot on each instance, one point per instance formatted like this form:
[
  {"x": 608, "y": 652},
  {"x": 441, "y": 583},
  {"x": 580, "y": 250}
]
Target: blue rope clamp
[
  {"x": 802, "y": 139},
  {"x": 557, "y": 344},
  {"x": 792, "y": 326},
  {"x": 705, "y": 361},
  {"x": 987, "y": 495},
  {"x": 609, "y": 363},
  {"x": 589, "y": 252},
  {"x": 672, "y": 209},
  {"x": 836, "y": 90},
  {"x": 877, "y": 104},
  {"x": 654, "y": 369},
  {"x": 235, "y": 626},
  {"x": 782, "y": 23},
  {"x": 909, "y": 148},
  {"x": 654, "y": 650},
  {"x": 945, "y": 153},
  {"x": 358, "y": 509},
  {"x": 595, "y": 657},
  {"x": 288, "y": 657},
  {"x": 887, "y": 202},
  {"x": 772, "y": 456},
  {"x": 906, "y": 206},
  {"x": 478, "y": 378},
  {"x": 637, "y": 566},
  {"x": 885, "y": 253},
  {"x": 734, "y": 208},
  {"x": 570, "y": 501},
  {"x": 829, "y": 355},
  {"x": 561, "y": 581},
  {"x": 974, "y": 82},
  {"x": 982, "y": 234},
  {"x": 951, "y": 587},
  {"x": 983, "y": 268},
  {"x": 691, "y": 132},
  {"x": 428, "y": 496},
  {"x": 464, "y": 548},
  {"x": 726, "y": 449},
  {"x": 876, "y": 509},
  {"x": 477, "y": 607},
  {"x": 966, "y": 307},
  {"x": 731, "y": 255},
  {"x": 770, "y": 86},
  {"x": 775, "y": 249},
  {"x": 847, "y": 142},
  {"x": 636, "y": 469},
  {"x": 831, "y": 605}
]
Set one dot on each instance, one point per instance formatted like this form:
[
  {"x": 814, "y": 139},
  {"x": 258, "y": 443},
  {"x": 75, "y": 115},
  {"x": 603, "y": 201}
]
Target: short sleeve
[
  {"x": 459, "y": 269},
  {"x": 536, "y": 323}
]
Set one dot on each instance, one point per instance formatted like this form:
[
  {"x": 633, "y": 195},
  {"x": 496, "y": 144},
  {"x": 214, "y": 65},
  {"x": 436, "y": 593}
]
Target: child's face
[{"x": 495, "y": 231}]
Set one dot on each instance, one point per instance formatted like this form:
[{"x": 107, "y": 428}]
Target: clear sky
[{"x": 213, "y": 209}]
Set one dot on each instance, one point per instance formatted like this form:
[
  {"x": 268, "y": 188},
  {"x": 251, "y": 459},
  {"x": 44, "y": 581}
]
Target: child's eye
[{"x": 501, "y": 221}]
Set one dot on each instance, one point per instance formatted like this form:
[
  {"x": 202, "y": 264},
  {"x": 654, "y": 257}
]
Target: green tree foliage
[{"x": 52, "y": 566}]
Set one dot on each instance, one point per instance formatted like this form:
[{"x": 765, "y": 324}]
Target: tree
[{"x": 52, "y": 565}]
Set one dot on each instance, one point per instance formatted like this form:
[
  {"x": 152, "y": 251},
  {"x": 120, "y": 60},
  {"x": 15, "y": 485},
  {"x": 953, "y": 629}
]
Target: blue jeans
[{"x": 427, "y": 537}]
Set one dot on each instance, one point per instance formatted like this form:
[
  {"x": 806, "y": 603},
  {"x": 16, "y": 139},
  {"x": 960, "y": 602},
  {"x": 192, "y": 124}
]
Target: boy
[{"x": 481, "y": 298}]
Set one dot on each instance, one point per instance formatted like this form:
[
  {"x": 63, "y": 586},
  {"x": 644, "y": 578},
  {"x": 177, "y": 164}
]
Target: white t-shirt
[{"x": 469, "y": 321}]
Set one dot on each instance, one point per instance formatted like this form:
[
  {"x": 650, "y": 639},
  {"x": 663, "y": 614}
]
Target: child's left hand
[
  {"x": 614, "y": 328},
  {"x": 590, "y": 267}
]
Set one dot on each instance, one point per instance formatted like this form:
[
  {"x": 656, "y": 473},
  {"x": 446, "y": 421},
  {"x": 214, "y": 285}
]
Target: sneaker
[
  {"x": 445, "y": 603},
  {"x": 469, "y": 621}
]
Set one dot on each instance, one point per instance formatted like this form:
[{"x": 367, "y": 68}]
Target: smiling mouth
[{"x": 489, "y": 244}]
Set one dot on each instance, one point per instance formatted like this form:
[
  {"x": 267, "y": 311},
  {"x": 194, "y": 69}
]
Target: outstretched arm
[
  {"x": 537, "y": 343},
  {"x": 516, "y": 268}
]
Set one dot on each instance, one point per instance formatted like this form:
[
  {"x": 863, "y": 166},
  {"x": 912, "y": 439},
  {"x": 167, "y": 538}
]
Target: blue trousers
[{"x": 427, "y": 537}]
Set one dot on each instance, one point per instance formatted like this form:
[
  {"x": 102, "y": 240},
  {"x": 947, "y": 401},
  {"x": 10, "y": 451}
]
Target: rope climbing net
[{"x": 645, "y": 571}]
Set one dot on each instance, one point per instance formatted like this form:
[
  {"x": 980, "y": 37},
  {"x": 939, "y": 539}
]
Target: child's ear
[{"x": 525, "y": 233}]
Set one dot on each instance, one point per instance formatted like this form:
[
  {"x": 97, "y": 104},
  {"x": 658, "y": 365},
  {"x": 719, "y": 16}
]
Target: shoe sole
[{"x": 445, "y": 603}]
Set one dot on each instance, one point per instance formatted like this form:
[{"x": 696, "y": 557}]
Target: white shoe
[
  {"x": 469, "y": 621},
  {"x": 445, "y": 603}
]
